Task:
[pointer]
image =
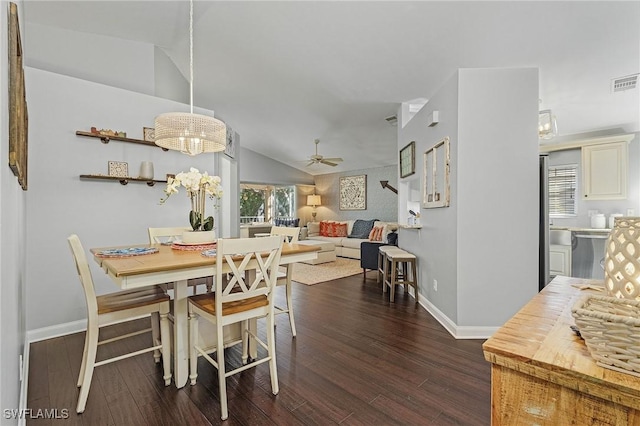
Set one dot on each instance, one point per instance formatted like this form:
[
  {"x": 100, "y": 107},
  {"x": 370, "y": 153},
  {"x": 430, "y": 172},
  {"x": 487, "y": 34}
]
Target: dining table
[{"x": 169, "y": 264}]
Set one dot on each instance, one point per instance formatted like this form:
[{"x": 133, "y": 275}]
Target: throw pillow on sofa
[
  {"x": 324, "y": 229},
  {"x": 362, "y": 228},
  {"x": 314, "y": 229},
  {"x": 376, "y": 233}
]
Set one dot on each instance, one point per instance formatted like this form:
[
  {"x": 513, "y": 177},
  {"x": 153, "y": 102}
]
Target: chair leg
[
  {"x": 193, "y": 342},
  {"x": 155, "y": 334},
  {"x": 385, "y": 273},
  {"x": 222, "y": 382},
  {"x": 166, "y": 347},
  {"x": 271, "y": 344},
  {"x": 289, "y": 289},
  {"x": 83, "y": 365},
  {"x": 209, "y": 284},
  {"x": 87, "y": 375},
  {"x": 244, "y": 327}
]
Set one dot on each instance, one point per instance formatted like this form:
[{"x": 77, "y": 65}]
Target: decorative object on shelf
[
  {"x": 436, "y": 188},
  {"x": 610, "y": 328},
  {"x": 547, "y": 126},
  {"x": 190, "y": 133},
  {"x": 146, "y": 170},
  {"x": 108, "y": 132},
  {"x": 198, "y": 186},
  {"x": 149, "y": 134},
  {"x": 232, "y": 140},
  {"x": 385, "y": 184},
  {"x": 314, "y": 201},
  {"x": 622, "y": 259},
  {"x": 118, "y": 168},
  {"x": 353, "y": 192},
  {"x": 408, "y": 160},
  {"x": 18, "y": 115}
]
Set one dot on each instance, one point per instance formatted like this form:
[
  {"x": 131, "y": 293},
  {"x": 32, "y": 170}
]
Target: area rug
[{"x": 314, "y": 274}]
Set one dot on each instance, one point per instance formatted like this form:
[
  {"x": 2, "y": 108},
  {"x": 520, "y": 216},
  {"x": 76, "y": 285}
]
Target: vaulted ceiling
[{"x": 286, "y": 73}]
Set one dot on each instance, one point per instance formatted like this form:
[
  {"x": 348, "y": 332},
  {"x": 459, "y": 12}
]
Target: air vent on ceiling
[
  {"x": 393, "y": 120},
  {"x": 621, "y": 84}
]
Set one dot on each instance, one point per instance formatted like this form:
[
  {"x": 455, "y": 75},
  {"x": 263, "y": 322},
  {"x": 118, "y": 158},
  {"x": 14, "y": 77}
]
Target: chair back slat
[
  {"x": 166, "y": 235},
  {"x": 84, "y": 274},
  {"x": 255, "y": 258},
  {"x": 289, "y": 234}
]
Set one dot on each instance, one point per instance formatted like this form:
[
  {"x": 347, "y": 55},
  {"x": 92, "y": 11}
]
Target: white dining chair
[
  {"x": 168, "y": 236},
  {"x": 118, "y": 307},
  {"x": 244, "y": 297},
  {"x": 290, "y": 235}
]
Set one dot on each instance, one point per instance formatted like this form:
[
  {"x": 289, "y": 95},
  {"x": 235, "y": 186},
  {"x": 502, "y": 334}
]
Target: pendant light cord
[{"x": 191, "y": 54}]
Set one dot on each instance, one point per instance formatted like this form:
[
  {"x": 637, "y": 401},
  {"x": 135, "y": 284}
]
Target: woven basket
[{"x": 611, "y": 330}]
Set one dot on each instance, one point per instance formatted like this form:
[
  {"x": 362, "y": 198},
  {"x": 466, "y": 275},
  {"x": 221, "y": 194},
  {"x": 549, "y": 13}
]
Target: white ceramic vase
[{"x": 199, "y": 237}]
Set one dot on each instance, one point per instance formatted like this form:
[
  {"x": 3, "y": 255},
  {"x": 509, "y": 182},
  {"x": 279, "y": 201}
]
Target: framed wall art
[
  {"x": 408, "y": 160},
  {"x": 435, "y": 182},
  {"x": 149, "y": 134},
  {"x": 18, "y": 116},
  {"x": 353, "y": 192},
  {"x": 118, "y": 168}
]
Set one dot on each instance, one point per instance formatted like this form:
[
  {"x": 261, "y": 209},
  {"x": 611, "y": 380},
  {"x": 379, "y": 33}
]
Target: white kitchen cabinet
[
  {"x": 604, "y": 171},
  {"x": 560, "y": 260}
]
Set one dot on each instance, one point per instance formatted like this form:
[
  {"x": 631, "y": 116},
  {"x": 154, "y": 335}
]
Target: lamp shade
[
  {"x": 313, "y": 200},
  {"x": 190, "y": 133}
]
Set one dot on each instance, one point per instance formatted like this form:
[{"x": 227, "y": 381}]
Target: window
[
  {"x": 562, "y": 190},
  {"x": 265, "y": 203}
]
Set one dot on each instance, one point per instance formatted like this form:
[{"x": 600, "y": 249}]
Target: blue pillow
[{"x": 362, "y": 228}]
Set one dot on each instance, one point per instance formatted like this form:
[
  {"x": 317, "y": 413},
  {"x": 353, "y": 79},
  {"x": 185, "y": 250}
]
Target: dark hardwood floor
[{"x": 357, "y": 360}]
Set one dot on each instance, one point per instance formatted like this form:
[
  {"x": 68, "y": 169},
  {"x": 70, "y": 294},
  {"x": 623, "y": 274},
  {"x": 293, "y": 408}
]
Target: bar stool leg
[
  {"x": 385, "y": 273},
  {"x": 414, "y": 279},
  {"x": 394, "y": 278}
]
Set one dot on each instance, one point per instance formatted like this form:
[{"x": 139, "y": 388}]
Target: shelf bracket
[{"x": 124, "y": 181}]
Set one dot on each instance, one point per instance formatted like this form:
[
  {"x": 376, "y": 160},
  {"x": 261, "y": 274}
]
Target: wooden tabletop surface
[
  {"x": 538, "y": 341},
  {"x": 169, "y": 259}
]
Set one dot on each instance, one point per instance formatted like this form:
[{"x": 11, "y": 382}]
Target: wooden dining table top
[{"x": 169, "y": 259}]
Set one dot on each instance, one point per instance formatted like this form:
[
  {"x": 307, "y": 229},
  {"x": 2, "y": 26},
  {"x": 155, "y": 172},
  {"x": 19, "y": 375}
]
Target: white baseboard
[
  {"x": 458, "y": 332},
  {"x": 56, "y": 331},
  {"x": 24, "y": 384}
]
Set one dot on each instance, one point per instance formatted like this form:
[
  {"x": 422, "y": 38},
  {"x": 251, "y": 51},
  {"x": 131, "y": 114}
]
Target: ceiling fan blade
[
  {"x": 328, "y": 163},
  {"x": 310, "y": 163},
  {"x": 333, "y": 160}
]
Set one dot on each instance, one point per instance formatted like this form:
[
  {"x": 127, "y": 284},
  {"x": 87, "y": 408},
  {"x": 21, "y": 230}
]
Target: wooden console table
[{"x": 542, "y": 373}]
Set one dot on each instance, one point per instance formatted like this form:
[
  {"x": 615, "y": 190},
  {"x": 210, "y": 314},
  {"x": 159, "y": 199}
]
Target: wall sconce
[
  {"x": 314, "y": 200},
  {"x": 385, "y": 184}
]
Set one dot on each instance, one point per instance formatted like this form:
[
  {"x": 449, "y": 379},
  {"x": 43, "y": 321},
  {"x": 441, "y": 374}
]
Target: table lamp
[{"x": 313, "y": 200}]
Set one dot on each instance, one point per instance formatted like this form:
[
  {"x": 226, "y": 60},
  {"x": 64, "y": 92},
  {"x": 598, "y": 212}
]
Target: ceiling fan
[{"x": 319, "y": 159}]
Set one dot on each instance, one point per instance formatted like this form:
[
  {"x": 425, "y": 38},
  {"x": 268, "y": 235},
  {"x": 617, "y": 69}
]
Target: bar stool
[
  {"x": 382, "y": 250},
  {"x": 406, "y": 262}
]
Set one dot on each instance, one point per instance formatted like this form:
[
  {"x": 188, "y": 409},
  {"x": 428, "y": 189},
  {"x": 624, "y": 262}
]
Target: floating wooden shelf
[
  {"x": 107, "y": 139},
  {"x": 123, "y": 180}
]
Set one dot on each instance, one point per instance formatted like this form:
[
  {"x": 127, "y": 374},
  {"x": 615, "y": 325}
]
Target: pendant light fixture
[{"x": 190, "y": 133}]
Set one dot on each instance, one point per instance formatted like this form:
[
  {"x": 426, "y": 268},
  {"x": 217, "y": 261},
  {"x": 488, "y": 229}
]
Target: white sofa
[{"x": 345, "y": 246}]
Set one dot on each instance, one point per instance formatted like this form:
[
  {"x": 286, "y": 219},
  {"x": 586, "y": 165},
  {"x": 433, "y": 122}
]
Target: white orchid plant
[{"x": 198, "y": 186}]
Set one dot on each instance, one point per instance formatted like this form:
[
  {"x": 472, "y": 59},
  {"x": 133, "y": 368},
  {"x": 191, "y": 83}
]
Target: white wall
[
  {"x": 483, "y": 249},
  {"x": 169, "y": 82},
  {"x": 108, "y": 60},
  {"x": 256, "y": 168},
  {"x": 12, "y": 250},
  {"x": 102, "y": 213}
]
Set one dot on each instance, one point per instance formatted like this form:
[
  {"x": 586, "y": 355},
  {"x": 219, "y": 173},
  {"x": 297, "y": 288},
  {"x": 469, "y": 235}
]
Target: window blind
[{"x": 562, "y": 190}]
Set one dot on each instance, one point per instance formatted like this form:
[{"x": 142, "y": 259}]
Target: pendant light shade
[{"x": 190, "y": 133}]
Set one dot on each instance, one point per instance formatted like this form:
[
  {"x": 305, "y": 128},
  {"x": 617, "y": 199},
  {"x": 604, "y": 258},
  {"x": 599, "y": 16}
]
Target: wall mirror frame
[{"x": 435, "y": 180}]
